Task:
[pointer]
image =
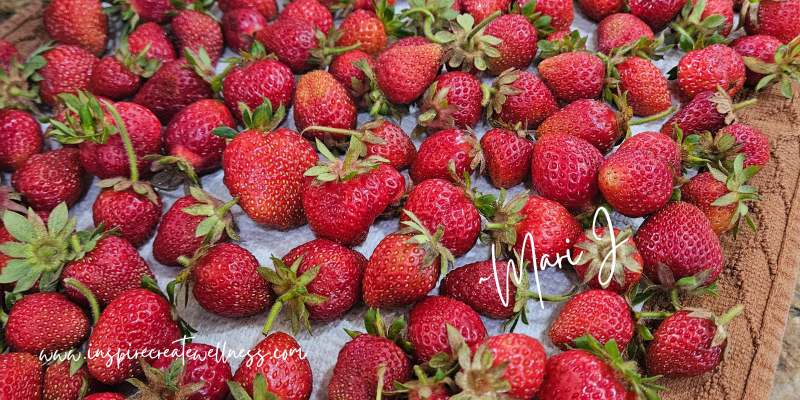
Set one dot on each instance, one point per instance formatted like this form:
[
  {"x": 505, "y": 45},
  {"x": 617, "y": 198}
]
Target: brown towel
[{"x": 25, "y": 29}]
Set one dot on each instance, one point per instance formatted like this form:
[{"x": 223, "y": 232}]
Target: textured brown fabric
[{"x": 26, "y": 29}]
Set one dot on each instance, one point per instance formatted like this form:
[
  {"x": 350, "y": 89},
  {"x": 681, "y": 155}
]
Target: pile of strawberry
[{"x": 156, "y": 114}]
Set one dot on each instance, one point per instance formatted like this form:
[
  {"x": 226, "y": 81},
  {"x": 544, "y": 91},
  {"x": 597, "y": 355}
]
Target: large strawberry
[
  {"x": 153, "y": 35},
  {"x": 608, "y": 259},
  {"x": 321, "y": 100},
  {"x": 288, "y": 377},
  {"x": 660, "y": 144},
  {"x": 445, "y": 150},
  {"x": 427, "y": 326},
  {"x": 635, "y": 182},
  {"x": 507, "y": 155},
  {"x": 707, "y": 68},
  {"x": 21, "y": 136},
  {"x": 254, "y": 78},
  {"x": 760, "y": 47},
  {"x": 365, "y": 27},
  {"x": 617, "y": 30},
  {"x": 36, "y": 177},
  {"x": 68, "y": 378},
  {"x": 22, "y": 376},
  {"x": 119, "y": 76},
  {"x": 78, "y": 22},
  {"x": 601, "y": 313},
  {"x": 754, "y": 144},
  {"x": 44, "y": 323},
  {"x": 189, "y": 136},
  {"x": 345, "y": 70},
  {"x": 574, "y": 75},
  {"x": 520, "y": 97},
  {"x": 772, "y": 17},
  {"x": 518, "y": 41},
  {"x": 474, "y": 284},
  {"x": 404, "y": 72},
  {"x": 199, "y": 363},
  {"x": 300, "y": 45},
  {"x": 239, "y": 28},
  {"x": 590, "y": 120},
  {"x": 452, "y": 101},
  {"x": 177, "y": 84},
  {"x": 67, "y": 69}
]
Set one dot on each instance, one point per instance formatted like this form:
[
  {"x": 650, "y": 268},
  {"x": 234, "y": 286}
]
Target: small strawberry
[
  {"x": 601, "y": 313},
  {"x": 560, "y": 12},
  {"x": 774, "y": 18},
  {"x": 404, "y": 72},
  {"x": 518, "y": 41},
  {"x": 507, "y": 155},
  {"x": 239, "y": 28},
  {"x": 617, "y": 30},
  {"x": 590, "y": 120},
  {"x": 365, "y": 27},
  {"x": 68, "y": 378},
  {"x": 660, "y": 144},
  {"x": 120, "y": 76},
  {"x": 656, "y": 14},
  {"x": 564, "y": 169},
  {"x": 199, "y": 363},
  {"x": 67, "y": 69},
  {"x": 644, "y": 85},
  {"x": 321, "y": 100},
  {"x": 708, "y": 111},
  {"x": 154, "y": 35},
  {"x": 188, "y": 134},
  {"x": 450, "y": 148},
  {"x": 80, "y": 23},
  {"x": 483, "y": 9},
  {"x": 44, "y": 323},
  {"x": 311, "y": 11},
  {"x": 344, "y": 69},
  {"x": 288, "y": 377},
  {"x": 760, "y": 47},
  {"x": 618, "y": 273},
  {"x": 22, "y": 375},
  {"x": 520, "y": 97},
  {"x": 452, "y": 101},
  {"x": 412, "y": 256},
  {"x": 397, "y": 147},
  {"x": 34, "y": 179},
  {"x": 707, "y": 68},
  {"x": 597, "y": 10},
  {"x": 635, "y": 182},
  {"x": 574, "y": 75},
  {"x": 21, "y": 136},
  {"x": 427, "y": 326},
  {"x": 267, "y": 8},
  {"x": 194, "y": 29}
]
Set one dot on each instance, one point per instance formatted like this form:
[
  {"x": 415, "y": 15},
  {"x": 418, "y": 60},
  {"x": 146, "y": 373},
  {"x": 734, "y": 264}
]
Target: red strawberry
[
  {"x": 188, "y": 134},
  {"x": 300, "y": 45},
  {"x": 21, "y": 136},
  {"x": 177, "y": 234},
  {"x": 560, "y": 12},
  {"x": 194, "y": 30},
  {"x": 755, "y": 145},
  {"x": 321, "y": 100},
  {"x": 397, "y": 146},
  {"x": 288, "y": 376},
  {"x": 564, "y": 169},
  {"x": 105, "y": 396},
  {"x": 112, "y": 79},
  {"x": 601, "y": 313},
  {"x": 708, "y": 111},
  {"x": 482, "y": 9},
  {"x": 508, "y": 156},
  {"x": 617, "y": 30},
  {"x": 427, "y": 329},
  {"x": 635, "y": 182},
  {"x": 365, "y": 27},
  {"x": 590, "y": 120},
  {"x": 50, "y": 178},
  {"x": 704, "y": 69},
  {"x": 137, "y": 319},
  {"x": 597, "y": 10},
  {"x": 158, "y": 11},
  {"x": 723, "y": 8},
  {"x": 664, "y": 236},
  {"x": 68, "y": 70},
  {"x": 660, "y": 144},
  {"x": 370, "y": 5},
  {"x": 175, "y": 86},
  {"x": 311, "y": 11},
  {"x": 78, "y": 22},
  {"x": 60, "y": 383},
  {"x": 7, "y": 51},
  {"x": 227, "y": 282},
  {"x": 267, "y": 8},
  {"x": 239, "y": 28},
  {"x": 253, "y": 80},
  {"x": 656, "y": 14},
  {"x": 646, "y": 87},
  {"x": 452, "y": 101},
  {"x": 617, "y": 273},
  {"x": 22, "y": 375},
  {"x": 574, "y": 75},
  {"x": 688, "y": 343},
  {"x": 474, "y": 284},
  {"x": 134, "y": 215},
  {"x": 440, "y": 150},
  {"x": 761, "y": 47},
  {"x": 520, "y": 97},
  {"x": 200, "y": 363},
  {"x": 775, "y": 18},
  {"x": 395, "y": 184},
  {"x": 45, "y": 323},
  {"x": 154, "y": 35},
  {"x": 411, "y": 256},
  {"x": 404, "y": 72},
  {"x": 518, "y": 46},
  {"x": 344, "y": 70}
]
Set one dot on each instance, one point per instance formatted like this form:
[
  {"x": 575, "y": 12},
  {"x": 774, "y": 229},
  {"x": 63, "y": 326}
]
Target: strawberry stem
[
  {"x": 739, "y": 106},
  {"x": 339, "y": 50},
  {"x": 125, "y": 139},
  {"x": 549, "y": 298},
  {"x": 331, "y": 130},
  {"x": 732, "y": 313},
  {"x": 482, "y": 25},
  {"x": 653, "y": 314},
  {"x": 89, "y": 296},
  {"x": 654, "y": 117},
  {"x": 298, "y": 291},
  {"x": 673, "y": 298}
]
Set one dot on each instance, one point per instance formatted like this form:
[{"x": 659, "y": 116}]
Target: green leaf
[
  {"x": 16, "y": 249},
  {"x": 19, "y": 227},
  {"x": 205, "y": 226},
  {"x": 15, "y": 270},
  {"x": 786, "y": 87},
  {"x": 726, "y": 199},
  {"x": 58, "y": 218}
]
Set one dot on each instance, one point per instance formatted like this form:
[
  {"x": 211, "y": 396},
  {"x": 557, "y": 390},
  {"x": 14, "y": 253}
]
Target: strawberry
[
  {"x": 482, "y": 9},
  {"x": 438, "y": 387},
  {"x": 22, "y": 375},
  {"x": 560, "y": 12},
  {"x": 660, "y": 144},
  {"x": 656, "y": 14},
  {"x": 590, "y": 120},
  {"x": 397, "y": 146},
  {"x": 255, "y": 78},
  {"x": 437, "y": 202},
  {"x": 180, "y": 233},
  {"x": 77, "y": 22},
  {"x": 507, "y": 155},
  {"x": 775, "y": 18},
  {"x": 723, "y": 8},
  {"x": 365, "y": 27},
  {"x": 754, "y": 144},
  {"x": 105, "y": 396},
  {"x": 65, "y": 378},
  {"x": 689, "y": 343},
  {"x": 200, "y": 363},
  {"x": 761, "y": 47},
  {"x": 21, "y": 136},
  {"x": 174, "y": 86},
  {"x": 345, "y": 71},
  {"x": 45, "y": 323},
  {"x": 617, "y": 30},
  {"x": 112, "y": 79},
  {"x": 300, "y": 45},
  {"x": 573, "y": 76},
  {"x": 601, "y": 313},
  {"x": 440, "y": 150},
  {"x": 154, "y": 35},
  {"x": 564, "y": 169},
  {"x": 597, "y": 10},
  {"x": 288, "y": 376},
  {"x": 270, "y": 193},
  {"x": 267, "y": 8},
  {"x": 620, "y": 272},
  {"x": 311, "y": 11},
  {"x": 474, "y": 285},
  {"x": 34, "y": 179},
  {"x": 68, "y": 69},
  {"x": 7, "y": 52},
  {"x": 518, "y": 41},
  {"x": 635, "y": 182},
  {"x": 321, "y": 100},
  {"x": 133, "y": 11},
  {"x": 239, "y": 28},
  {"x": 395, "y": 184},
  {"x": 452, "y": 101},
  {"x": 193, "y": 29},
  {"x": 428, "y": 321},
  {"x": 646, "y": 87},
  {"x": 344, "y": 197},
  {"x": 520, "y": 97},
  {"x": 404, "y": 72},
  {"x": 422, "y": 258},
  {"x": 188, "y": 134},
  {"x": 227, "y": 282},
  {"x": 706, "y": 68},
  {"x": 137, "y": 319},
  {"x": 663, "y": 236},
  {"x": 708, "y": 111},
  {"x": 355, "y": 375}
]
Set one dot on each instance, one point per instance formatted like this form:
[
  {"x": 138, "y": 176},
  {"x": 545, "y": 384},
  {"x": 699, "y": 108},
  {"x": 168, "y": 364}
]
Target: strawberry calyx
[
  {"x": 17, "y": 86},
  {"x": 499, "y": 91},
  {"x": 694, "y": 285},
  {"x": 501, "y": 228},
  {"x": 126, "y": 12},
  {"x": 85, "y": 119},
  {"x": 435, "y": 112},
  {"x": 323, "y": 55},
  {"x": 477, "y": 376},
  {"x": 172, "y": 172},
  {"x": 439, "y": 12},
  {"x": 137, "y": 64},
  {"x": 429, "y": 244},
  {"x": 466, "y": 46},
  {"x": 483, "y": 202},
  {"x": 259, "y": 389},
  {"x": 122, "y": 184},
  {"x": 393, "y": 24},
  {"x": 201, "y": 64},
  {"x": 598, "y": 250},
  {"x": 201, "y": 6},
  {"x": 373, "y": 95},
  {"x": 649, "y": 49},
  {"x": 292, "y": 291},
  {"x": 185, "y": 329},
  {"x": 219, "y": 218},
  {"x": 164, "y": 384},
  {"x": 721, "y": 335},
  {"x": 692, "y": 33},
  {"x": 263, "y": 119},
  {"x": 539, "y": 21},
  {"x": 567, "y": 44},
  {"x": 340, "y": 170},
  {"x": 376, "y": 326},
  {"x": 424, "y": 386},
  {"x": 739, "y": 193},
  {"x": 785, "y": 69}
]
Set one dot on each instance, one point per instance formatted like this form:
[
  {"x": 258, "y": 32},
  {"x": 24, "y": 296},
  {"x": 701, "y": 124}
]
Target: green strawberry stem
[
  {"x": 125, "y": 139},
  {"x": 276, "y": 308},
  {"x": 348, "y": 132},
  {"x": 654, "y": 117},
  {"x": 86, "y": 292},
  {"x": 732, "y": 313},
  {"x": 739, "y": 106},
  {"x": 482, "y": 25},
  {"x": 429, "y": 19},
  {"x": 653, "y": 314},
  {"x": 340, "y": 50},
  {"x": 673, "y": 298}
]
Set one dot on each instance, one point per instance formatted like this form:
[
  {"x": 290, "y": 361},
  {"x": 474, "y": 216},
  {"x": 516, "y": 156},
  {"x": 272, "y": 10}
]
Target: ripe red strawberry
[
  {"x": 761, "y": 47},
  {"x": 597, "y": 10},
  {"x": 321, "y": 100},
  {"x": 474, "y": 284},
  {"x": 7, "y": 51},
  {"x": 288, "y": 376},
  {"x": 427, "y": 329},
  {"x": 112, "y": 79},
  {"x": 398, "y": 148},
  {"x": 708, "y": 111},
  {"x": 688, "y": 343},
  {"x": 60, "y": 383},
  {"x": 560, "y": 12},
  {"x": 601, "y": 313},
  {"x": 311, "y": 11},
  {"x": 520, "y": 97},
  {"x": 344, "y": 70},
  {"x": 188, "y": 134},
  {"x": 34, "y": 179},
  {"x": 590, "y": 120},
  {"x": 68, "y": 70},
  {"x": 660, "y": 144},
  {"x": 775, "y": 18},
  {"x": 158, "y": 11},
  {"x": 411, "y": 256},
  {"x": 704, "y": 69},
  {"x": 78, "y": 22},
  {"x": 404, "y": 72},
  {"x": 615, "y": 274},
  {"x": 177, "y": 233},
  {"x": 134, "y": 215},
  {"x": 518, "y": 46},
  {"x": 646, "y": 87},
  {"x": 508, "y": 156},
  {"x": 267, "y": 8},
  {"x": 365, "y": 27},
  {"x": 656, "y": 14},
  {"x": 664, "y": 236},
  {"x": 564, "y": 169},
  {"x": 574, "y": 75},
  {"x": 395, "y": 184},
  {"x": 755, "y": 145},
  {"x": 253, "y": 80},
  {"x": 355, "y": 375},
  {"x": 154, "y": 35},
  {"x": 45, "y": 323},
  {"x": 440, "y": 150},
  {"x": 227, "y": 282},
  {"x": 137, "y": 319},
  {"x": 21, "y": 136},
  {"x": 175, "y": 86},
  {"x": 22, "y": 375},
  {"x": 239, "y": 28},
  {"x": 105, "y": 396},
  {"x": 482, "y": 9},
  {"x": 194, "y": 30},
  {"x": 199, "y": 363},
  {"x": 635, "y": 182},
  {"x": 452, "y": 101},
  {"x": 300, "y": 45},
  {"x": 617, "y": 30}
]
